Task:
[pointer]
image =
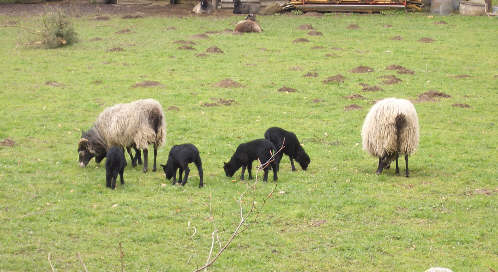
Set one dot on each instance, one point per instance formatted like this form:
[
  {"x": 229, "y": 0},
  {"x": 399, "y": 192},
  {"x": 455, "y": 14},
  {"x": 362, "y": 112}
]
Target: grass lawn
[{"x": 336, "y": 216}]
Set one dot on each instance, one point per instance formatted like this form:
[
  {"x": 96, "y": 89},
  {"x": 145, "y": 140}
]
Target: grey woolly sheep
[
  {"x": 136, "y": 124},
  {"x": 390, "y": 129}
]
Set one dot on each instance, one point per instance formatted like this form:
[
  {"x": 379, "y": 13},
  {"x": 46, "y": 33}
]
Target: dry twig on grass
[
  {"x": 81, "y": 262},
  {"x": 50, "y": 262}
]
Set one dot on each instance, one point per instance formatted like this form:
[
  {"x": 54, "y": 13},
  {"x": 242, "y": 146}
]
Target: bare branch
[
  {"x": 212, "y": 245},
  {"x": 50, "y": 262},
  {"x": 81, "y": 262}
]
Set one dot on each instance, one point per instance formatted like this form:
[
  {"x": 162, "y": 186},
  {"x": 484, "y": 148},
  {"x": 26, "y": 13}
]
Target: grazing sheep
[
  {"x": 248, "y": 25},
  {"x": 136, "y": 124},
  {"x": 390, "y": 129},
  {"x": 292, "y": 147},
  {"x": 179, "y": 158},
  {"x": 246, "y": 153},
  {"x": 114, "y": 165}
]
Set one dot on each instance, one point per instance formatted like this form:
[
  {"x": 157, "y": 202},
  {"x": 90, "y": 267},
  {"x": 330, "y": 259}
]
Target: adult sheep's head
[
  {"x": 229, "y": 169},
  {"x": 89, "y": 146},
  {"x": 84, "y": 152},
  {"x": 303, "y": 159}
]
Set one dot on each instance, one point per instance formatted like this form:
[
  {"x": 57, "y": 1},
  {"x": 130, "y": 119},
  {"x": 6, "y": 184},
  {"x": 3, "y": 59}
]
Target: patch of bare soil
[
  {"x": 300, "y": 40},
  {"x": 369, "y": 88},
  {"x": 317, "y": 100},
  {"x": 431, "y": 96},
  {"x": 440, "y": 23},
  {"x": 362, "y": 69},
  {"x": 228, "y": 83},
  {"x": 400, "y": 69},
  {"x": 318, "y": 223},
  {"x": 200, "y": 36},
  {"x": 481, "y": 192},
  {"x": 390, "y": 79},
  {"x": 396, "y": 38},
  {"x": 124, "y": 31},
  {"x": 352, "y": 107},
  {"x": 461, "y": 105},
  {"x": 353, "y": 26},
  {"x": 355, "y": 96},
  {"x": 313, "y": 13},
  {"x": 116, "y": 49},
  {"x": 296, "y": 68},
  {"x": 173, "y": 108},
  {"x": 102, "y": 18},
  {"x": 388, "y": 26},
  {"x": 426, "y": 40},
  {"x": 337, "y": 79},
  {"x": 317, "y": 47},
  {"x": 186, "y": 47},
  {"x": 305, "y": 27},
  {"x": 147, "y": 83},
  {"x": 7, "y": 142},
  {"x": 54, "y": 83},
  {"x": 218, "y": 102},
  {"x": 462, "y": 76},
  {"x": 97, "y": 82},
  {"x": 95, "y": 39},
  {"x": 315, "y": 33},
  {"x": 287, "y": 90},
  {"x": 214, "y": 49},
  {"x": 201, "y": 55},
  {"x": 331, "y": 55},
  {"x": 209, "y": 32},
  {"x": 171, "y": 28},
  {"x": 185, "y": 42},
  {"x": 132, "y": 16},
  {"x": 311, "y": 74}
]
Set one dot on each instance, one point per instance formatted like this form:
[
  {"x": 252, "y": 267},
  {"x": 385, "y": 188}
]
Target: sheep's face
[
  {"x": 168, "y": 171},
  {"x": 251, "y": 17},
  {"x": 84, "y": 152},
  {"x": 303, "y": 159},
  {"x": 229, "y": 170},
  {"x": 385, "y": 162}
]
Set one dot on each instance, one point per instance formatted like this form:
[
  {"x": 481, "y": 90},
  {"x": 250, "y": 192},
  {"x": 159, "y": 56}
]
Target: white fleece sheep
[
  {"x": 390, "y": 129},
  {"x": 136, "y": 124}
]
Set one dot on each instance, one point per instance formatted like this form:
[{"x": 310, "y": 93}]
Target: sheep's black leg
[
  {"x": 174, "y": 178},
  {"x": 380, "y": 168},
  {"x": 243, "y": 170},
  {"x": 187, "y": 170},
  {"x": 121, "y": 176},
  {"x": 406, "y": 161},
  {"x": 265, "y": 177},
  {"x": 397, "y": 168},
  {"x": 249, "y": 170},
  {"x": 113, "y": 182},
  {"x": 275, "y": 170},
  {"x": 292, "y": 164},
  {"x": 155, "y": 155},
  {"x": 146, "y": 160},
  {"x": 133, "y": 159},
  {"x": 138, "y": 155},
  {"x": 279, "y": 158},
  {"x": 108, "y": 178},
  {"x": 198, "y": 163},
  {"x": 180, "y": 171}
]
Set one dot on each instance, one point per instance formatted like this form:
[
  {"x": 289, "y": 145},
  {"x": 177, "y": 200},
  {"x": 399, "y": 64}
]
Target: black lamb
[
  {"x": 246, "y": 153},
  {"x": 179, "y": 158},
  {"x": 114, "y": 165},
  {"x": 292, "y": 147}
]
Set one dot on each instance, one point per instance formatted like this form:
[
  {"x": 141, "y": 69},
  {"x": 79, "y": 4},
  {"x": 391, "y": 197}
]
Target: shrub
[{"x": 57, "y": 30}]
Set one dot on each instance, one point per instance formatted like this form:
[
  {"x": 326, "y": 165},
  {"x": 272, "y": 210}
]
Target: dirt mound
[
  {"x": 147, "y": 83},
  {"x": 214, "y": 50},
  {"x": 201, "y": 55},
  {"x": 228, "y": 83},
  {"x": 362, "y": 69},
  {"x": 296, "y": 68},
  {"x": 311, "y": 74},
  {"x": 305, "y": 27},
  {"x": 171, "y": 28},
  {"x": 426, "y": 40},
  {"x": 461, "y": 105},
  {"x": 7, "y": 142},
  {"x": 123, "y": 31},
  {"x": 218, "y": 102},
  {"x": 318, "y": 223},
  {"x": 481, "y": 192},
  {"x": 300, "y": 40},
  {"x": 186, "y": 47},
  {"x": 287, "y": 90},
  {"x": 97, "y": 82},
  {"x": 431, "y": 96},
  {"x": 440, "y": 23},
  {"x": 369, "y": 88},
  {"x": 200, "y": 36},
  {"x": 132, "y": 16},
  {"x": 331, "y": 55},
  {"x": 315, "y": 33},
  {"x": 337, "y": 78},
  {"x": 173, "y": 108},
  {"x": 102, "y": 18},
  {"x": 95, "y": 39},
  {"x": 396, "y": 38},
  {"x": 353, "y": 26},
  {"x": 209, "y": 32},
  {"x": 352, "y": 107},
  {"x": 390, "y": 79},
  {"x": 185, "y": 42},
  {"x": 355, "y": 96},
  {"x": 462, "y": 76},
  {"x": 388, "y": 26},
  {"x": 317, "y": 100},
  {"x": 400, "y": 69},
  {"x": 317, "y": 47},
  {"x": 54, "y": 83}
]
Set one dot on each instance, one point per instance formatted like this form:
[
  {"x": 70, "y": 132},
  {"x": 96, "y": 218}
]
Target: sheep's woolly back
[
  {"x": 133, "y": 123},
  {"x": 247, "y": 26},
  {"x": 379, "y": 128}
]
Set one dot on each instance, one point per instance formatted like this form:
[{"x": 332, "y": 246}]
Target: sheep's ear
[
  {"x": 163, "y": 166},
  {"x": 83, "y": 144}
]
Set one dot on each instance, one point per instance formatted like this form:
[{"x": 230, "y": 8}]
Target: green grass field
[{"x": 337, "y": 216}]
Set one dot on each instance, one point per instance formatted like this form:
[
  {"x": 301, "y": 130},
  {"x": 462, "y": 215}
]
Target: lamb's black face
[
  {"x": 228, "y": 170},
  {"x": 167, "y": 171},
  {"x": 84, "y": 153},
  {"x": 385, "y": 162},
  {"x": 303, "y": 159}
]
